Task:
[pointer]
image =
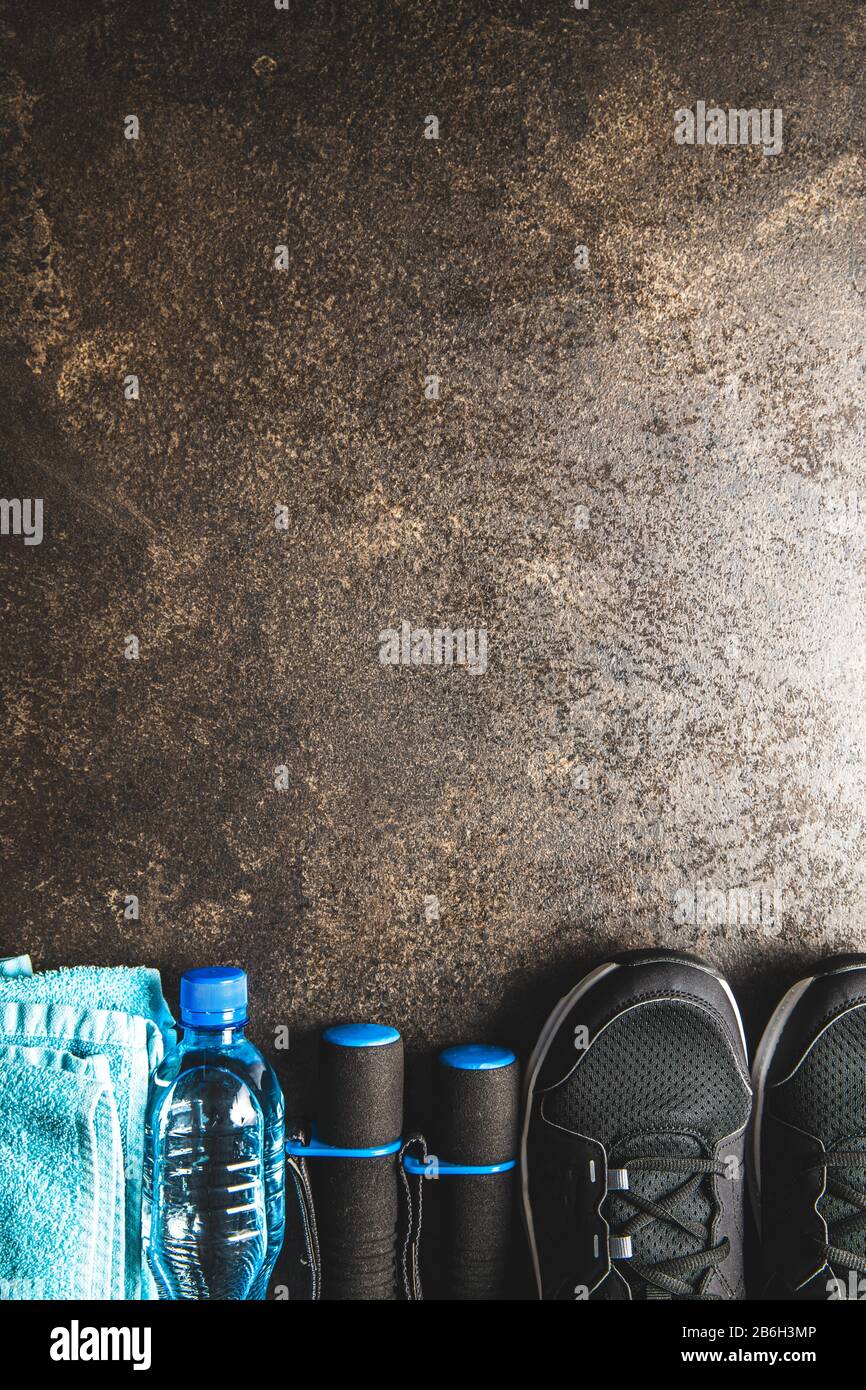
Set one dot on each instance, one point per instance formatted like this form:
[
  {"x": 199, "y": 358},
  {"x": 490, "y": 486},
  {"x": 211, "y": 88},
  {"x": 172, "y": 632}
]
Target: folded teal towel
[
  {"x": 118, "y": 1019},
  {"x": 129, "y": 989},
  {"x": 15, "y": 966},
  {"x": 61, "y": 1179}
]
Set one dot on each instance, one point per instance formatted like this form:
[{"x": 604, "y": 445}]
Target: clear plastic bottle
[{"x": 214, "y": 1162}]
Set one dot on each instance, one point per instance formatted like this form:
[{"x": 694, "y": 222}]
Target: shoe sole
[
  {"x": 548, "y": 1032},
  {"x": 764, "y": 1061}
]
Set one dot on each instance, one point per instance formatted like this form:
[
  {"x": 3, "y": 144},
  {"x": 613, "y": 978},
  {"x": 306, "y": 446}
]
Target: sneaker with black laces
[
  {"x": 808, "y": 1171},
  {"x": 637, "y": 1100}
]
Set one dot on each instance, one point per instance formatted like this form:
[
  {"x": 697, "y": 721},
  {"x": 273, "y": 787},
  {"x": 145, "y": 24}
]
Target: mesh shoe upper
[
  {"x": 820, "y": 1186},
  {"x": 667, "y": 1061},
  {"x": 659, "y": 1080},
  {"x": 658, "y": 1101},
  {"x": 826, "y": 1095}
]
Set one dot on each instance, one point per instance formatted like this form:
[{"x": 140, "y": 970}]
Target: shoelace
[
  {"x": 665, "y": 1277},
  {"x": 835, "y": 1254}
]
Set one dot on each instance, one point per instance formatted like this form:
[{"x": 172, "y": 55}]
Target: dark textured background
[{"x": 699, "y": 648}]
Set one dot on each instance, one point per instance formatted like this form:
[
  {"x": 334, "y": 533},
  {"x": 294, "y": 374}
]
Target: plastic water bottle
[{"x": 214, "y": 1163}]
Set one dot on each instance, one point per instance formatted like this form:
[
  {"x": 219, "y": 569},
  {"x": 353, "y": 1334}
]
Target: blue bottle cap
[
  {"x": 213, "y": 996},
  {"x": 360, "y": 1035},
  {"x": 476, "y": 1057}
]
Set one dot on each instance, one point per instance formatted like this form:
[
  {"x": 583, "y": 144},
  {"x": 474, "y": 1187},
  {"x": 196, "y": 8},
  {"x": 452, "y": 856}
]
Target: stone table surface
[{"x": 639, "y": 469}]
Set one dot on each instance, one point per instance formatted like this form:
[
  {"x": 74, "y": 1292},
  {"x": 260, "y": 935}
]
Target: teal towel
[
  {"x": 16, "y": 965},
  {"x": 116, "y": 1016},
  {"x": 61, "y": 1179},
  {"x": 128, "y": 989}
]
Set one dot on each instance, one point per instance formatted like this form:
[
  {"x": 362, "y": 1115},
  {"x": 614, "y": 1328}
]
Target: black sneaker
[
  {"x": 637, "y": 1098},
  {"x": 809, "y": 1137}
]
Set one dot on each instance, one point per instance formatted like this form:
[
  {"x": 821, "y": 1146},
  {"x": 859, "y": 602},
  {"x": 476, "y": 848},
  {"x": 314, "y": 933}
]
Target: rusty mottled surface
[{"x": 698, "y": 648}]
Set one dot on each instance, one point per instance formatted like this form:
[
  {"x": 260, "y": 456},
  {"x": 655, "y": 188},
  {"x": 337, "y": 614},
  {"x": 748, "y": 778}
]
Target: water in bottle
[{"x": 214, "y": 1175}]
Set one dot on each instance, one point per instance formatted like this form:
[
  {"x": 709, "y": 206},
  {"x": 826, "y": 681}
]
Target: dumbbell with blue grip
[
  {"x": 473, "y": 1144},
  {"x": 352, "y": 1159}
]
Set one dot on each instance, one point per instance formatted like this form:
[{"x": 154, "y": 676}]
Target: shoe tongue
[
  {"x": 834, "y": 1209},
  {"x": 659, "y": 1240}
]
